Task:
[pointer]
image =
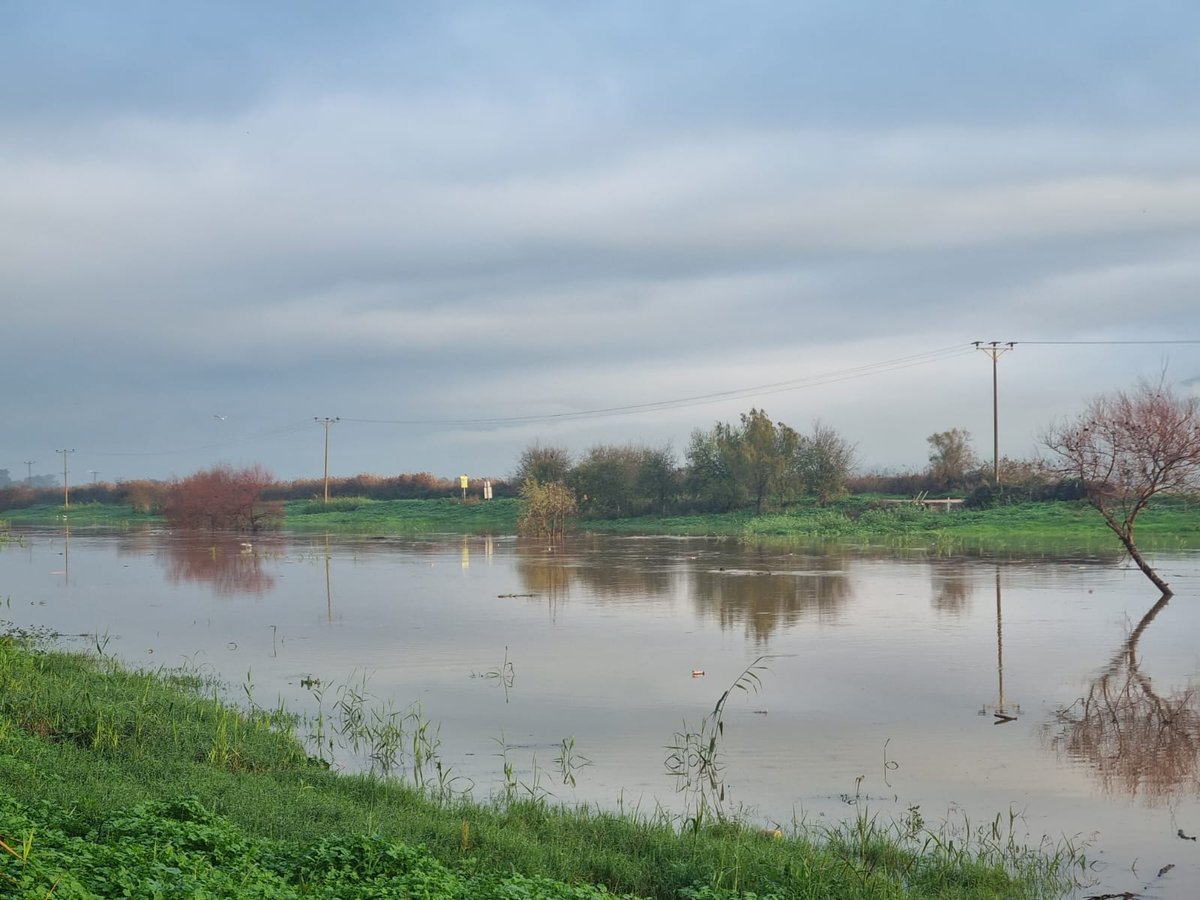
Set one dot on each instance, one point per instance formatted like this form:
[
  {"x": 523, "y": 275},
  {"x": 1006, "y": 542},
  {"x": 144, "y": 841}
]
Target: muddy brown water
[{"x": 881, "y": 684}]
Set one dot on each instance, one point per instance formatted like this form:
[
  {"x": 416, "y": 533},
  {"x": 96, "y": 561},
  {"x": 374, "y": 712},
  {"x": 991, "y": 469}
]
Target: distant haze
[{"x": 220, "y": 220}]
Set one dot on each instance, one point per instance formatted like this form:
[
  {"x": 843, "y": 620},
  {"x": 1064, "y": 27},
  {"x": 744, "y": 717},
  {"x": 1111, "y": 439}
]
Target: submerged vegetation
[{"x": 119, "y": 783}]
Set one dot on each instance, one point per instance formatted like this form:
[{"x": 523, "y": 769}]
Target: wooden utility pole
[
  {"x": 326, "y": 421},
  {"x": 994, "y": 349},
  {"x": 66, "y": 492},
  {"x": 29, "y": 470}
]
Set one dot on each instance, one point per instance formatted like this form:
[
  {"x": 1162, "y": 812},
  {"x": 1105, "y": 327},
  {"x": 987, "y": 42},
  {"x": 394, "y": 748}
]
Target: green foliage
[
  {"x": 543, "y": 464},
  {"x": 768, "y": 452},
  {"x": 157, "y": 813},
  {"x": 951, "y": 457},
  {"x": 714, "y": 477},
  {"x": 823, "y": 463},
  {"x": 613, "y": 480},
  {"x": 547, "y": 510}
]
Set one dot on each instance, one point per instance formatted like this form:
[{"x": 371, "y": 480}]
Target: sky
[{"x": 463, "y": 228}]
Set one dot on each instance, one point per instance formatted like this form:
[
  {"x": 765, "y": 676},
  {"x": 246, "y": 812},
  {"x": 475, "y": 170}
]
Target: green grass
[
  {"x": 361, "y": 515},
  {"x": 1058, "y": 525},
  {"x": 147, "y": 783}
]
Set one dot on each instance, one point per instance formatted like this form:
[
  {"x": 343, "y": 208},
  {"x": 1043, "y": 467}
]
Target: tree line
[{"x": 752, "y": 463}]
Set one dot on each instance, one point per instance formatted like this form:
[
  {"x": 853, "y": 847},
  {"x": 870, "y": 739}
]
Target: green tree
[
  {"x": 768, "y": 450},
  {"x": 714, "y": 465},
  {"x": 543, "y": 463},
  {"x": 824, "y": 461},
  {"x": 606, "y": 479},
  {"x": 951, "y": 457},
  {"x": 658, "y": 478}
]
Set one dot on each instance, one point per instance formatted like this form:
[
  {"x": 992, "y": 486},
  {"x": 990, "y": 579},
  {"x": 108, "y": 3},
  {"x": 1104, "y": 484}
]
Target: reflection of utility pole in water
[
  {"x": 328, "y": 584},
  {"x": 1002, "y": 711},
  {"x": 66, "y": 553}
]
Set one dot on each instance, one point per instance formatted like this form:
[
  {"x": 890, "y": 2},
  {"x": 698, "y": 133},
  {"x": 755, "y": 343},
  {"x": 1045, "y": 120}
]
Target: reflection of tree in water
[
  {"x": 1136, "y": 741},
  {"x": 606, "y": 573},
  {"x": 759, "y": 592},
  {"x": 544, "y": 573},
  {"x": 762, "y": 602},
  {"x": 224, "y": 562},
  {"x": 951, "y": 585}
]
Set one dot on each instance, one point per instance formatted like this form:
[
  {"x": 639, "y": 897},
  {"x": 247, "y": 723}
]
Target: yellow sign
[{"x": 462, "y": 482}]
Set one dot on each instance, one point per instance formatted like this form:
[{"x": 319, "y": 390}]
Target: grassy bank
[
  {"x": 118, "y": 783},
  {"x": 1064, "y": 525},
  {"x": 1061, "y": 525}
]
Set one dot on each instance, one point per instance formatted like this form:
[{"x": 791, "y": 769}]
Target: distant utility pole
[
  {"x": 994, "y": 349},
  {"x": 29, "y": 469},
  {"x": 326, "y": 421},
  {"x": 66, "y": 492},
  {"x": 93, "y": 473}
]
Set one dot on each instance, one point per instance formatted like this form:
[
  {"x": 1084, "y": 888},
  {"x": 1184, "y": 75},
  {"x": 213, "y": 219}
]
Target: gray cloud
[{"x": 463, "y": 210}]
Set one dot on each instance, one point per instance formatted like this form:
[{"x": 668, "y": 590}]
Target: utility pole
[
  {"x": 93, "y": 473},
  {"x": 29, "y": 470},
  {"x": 326, "y": 421},
  {"x": 66, "y": 493},
  {"x": 994, "y": 349}
]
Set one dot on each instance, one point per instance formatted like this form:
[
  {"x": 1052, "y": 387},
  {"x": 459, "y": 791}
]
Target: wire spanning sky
[{"x": 463, "y": 227}]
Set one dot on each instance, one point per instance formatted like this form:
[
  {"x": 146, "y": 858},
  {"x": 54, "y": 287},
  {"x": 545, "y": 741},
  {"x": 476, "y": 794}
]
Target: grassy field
[
  {"x": 1051, "y": 526},
  {"x": 119, "y": 783}
]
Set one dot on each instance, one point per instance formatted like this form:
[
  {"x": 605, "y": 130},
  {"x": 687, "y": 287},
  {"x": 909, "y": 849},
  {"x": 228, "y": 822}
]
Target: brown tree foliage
[
  {"x": 143, "y": 495},
  {"x": 222, "y": 498},
  {"x": 1125, "y": 448}
]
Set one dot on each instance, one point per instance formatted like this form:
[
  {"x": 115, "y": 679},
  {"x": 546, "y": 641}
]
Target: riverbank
[
  {"x": 1168, "y": 524},
  {"x": 146, "y": 782}
]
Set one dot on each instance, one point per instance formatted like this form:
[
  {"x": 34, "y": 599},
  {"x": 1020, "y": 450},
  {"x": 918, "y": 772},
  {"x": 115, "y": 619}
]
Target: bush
[{"x": 222, "y": 498}]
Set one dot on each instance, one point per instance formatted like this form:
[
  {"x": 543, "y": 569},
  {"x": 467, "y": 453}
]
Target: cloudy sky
[{"x": 464, "y": 227}]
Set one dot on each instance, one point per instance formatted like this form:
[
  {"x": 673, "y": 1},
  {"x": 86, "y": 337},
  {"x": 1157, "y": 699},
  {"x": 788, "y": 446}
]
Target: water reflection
[
  {"x": 1001, "y": 709},
  {"x": 228, "y": 563},
  {"x": 1136, "y": 741},
  {"x": 760, "y": 593},
  {"x": 952, "y": 586},
  {"x": 762, "y": 602}
]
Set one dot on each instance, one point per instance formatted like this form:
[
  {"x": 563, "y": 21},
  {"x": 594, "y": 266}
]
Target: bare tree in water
[
  {"x": 1135, "y": 739},
  {"x": 1127, "y": 447}
]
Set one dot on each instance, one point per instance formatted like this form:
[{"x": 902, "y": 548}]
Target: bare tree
[{"x": 1125, "y": 448}]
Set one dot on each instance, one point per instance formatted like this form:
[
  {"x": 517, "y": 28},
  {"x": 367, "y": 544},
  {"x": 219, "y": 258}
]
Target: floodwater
[{"x": 967, "y": 687}]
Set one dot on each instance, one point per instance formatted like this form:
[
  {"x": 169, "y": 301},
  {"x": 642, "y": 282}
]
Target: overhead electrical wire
[
  {"x": 809, "y": 381},
  {"x": 885, "y": 366}
]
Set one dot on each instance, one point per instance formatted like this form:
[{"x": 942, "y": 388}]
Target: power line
[
  {"x": 1107, "y": 343},
  {"x": 882, "y": 367}
]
